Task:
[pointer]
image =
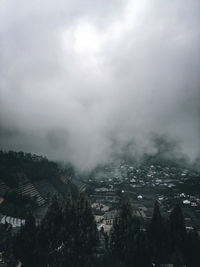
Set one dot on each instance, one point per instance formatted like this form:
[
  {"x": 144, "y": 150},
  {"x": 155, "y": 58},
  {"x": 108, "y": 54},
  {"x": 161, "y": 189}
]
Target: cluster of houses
[
  {"x": 143, "y": 175},
  {"x": 137, "y": 182},
  {"x": 104, "y": 203}
]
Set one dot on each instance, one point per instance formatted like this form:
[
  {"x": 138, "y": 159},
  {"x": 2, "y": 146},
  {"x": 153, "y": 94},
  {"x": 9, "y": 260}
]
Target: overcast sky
[{"x": 81, "y": 81}]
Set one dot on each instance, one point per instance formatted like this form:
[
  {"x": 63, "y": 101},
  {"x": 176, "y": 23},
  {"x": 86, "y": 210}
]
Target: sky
[{"x": 83, "y": 81}]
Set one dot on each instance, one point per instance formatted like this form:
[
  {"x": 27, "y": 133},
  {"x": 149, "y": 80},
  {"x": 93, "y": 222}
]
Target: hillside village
[
  {"x": 106, "y": 187},
  {"x": 142, "y": 184}
]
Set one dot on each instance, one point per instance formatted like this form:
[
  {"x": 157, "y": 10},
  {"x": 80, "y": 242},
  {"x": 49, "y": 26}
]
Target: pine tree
[
  {"x": 193, "y": 249},
  {"x": 49, "y": 235},
  {"x": 25, "y": 244},
  {"x": 80, "y": 237},
  {"x": 142, "y": 252},
  {"x": 178, "y": 235},
  {"x": 87, "y": 235},
  {"x": 125, "y": 238},
  {"x": 6, "y": 244},
  {"x": 157, "y": 236},
  {"x": 68, "y": 231}
]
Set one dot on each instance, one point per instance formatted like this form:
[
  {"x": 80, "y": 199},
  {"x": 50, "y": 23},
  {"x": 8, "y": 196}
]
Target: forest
[{"x": 68, "y": 236}]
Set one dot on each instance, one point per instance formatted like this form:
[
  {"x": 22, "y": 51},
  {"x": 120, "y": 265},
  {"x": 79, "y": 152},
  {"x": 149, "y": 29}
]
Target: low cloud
[{"x": 83, "y": 83}]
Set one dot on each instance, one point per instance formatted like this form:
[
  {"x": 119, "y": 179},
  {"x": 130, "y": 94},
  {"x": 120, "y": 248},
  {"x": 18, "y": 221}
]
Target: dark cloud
[{"x": 82, "y": 83}]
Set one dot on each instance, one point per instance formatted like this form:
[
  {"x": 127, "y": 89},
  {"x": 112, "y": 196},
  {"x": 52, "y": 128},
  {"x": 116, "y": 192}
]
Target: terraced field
[{"x": 30, "y": 190}]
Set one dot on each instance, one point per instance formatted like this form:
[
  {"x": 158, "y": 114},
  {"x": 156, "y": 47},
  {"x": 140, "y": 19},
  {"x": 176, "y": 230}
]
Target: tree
[
  {"x": 49, "y": 234},
  {"x": 157, "y": 236},
  {"x": 193, "y": 249},
  {"x": 86, "y": 235},
  {"x": 25, "y": 244},
  {"x": 6, "y": 244},
  {"x": 126, "y": 238},
  {"x": 142, "y": 256},
  {"x": 68, "y": 230},
  {"x": 178, "y": 235},
  {"x": 79, "y": 233}
]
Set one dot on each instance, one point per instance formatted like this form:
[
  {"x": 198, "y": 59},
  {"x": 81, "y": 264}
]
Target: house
[
  {"x": 193, "y": 204},
  {"x": 186, "y": 202},
  {"x": 15, "y": 222},
  {"x": 100, "y": 225},
  {"x": 109, "y": 217}
]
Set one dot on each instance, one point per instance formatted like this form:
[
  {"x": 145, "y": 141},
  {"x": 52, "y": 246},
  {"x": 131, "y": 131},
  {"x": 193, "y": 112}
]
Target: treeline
[
  {"x": 17, "y": 205},
  {"x": 16, "y": 165},
  {"x": 163, "y": 241},
  {"x": 67, "y": 236}
]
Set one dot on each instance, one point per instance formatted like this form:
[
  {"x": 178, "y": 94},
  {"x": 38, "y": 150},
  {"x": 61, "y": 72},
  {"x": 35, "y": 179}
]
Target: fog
[{"x": 83, "y": 81}]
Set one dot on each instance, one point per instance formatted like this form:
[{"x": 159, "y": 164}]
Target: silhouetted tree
[
  {"x": 193, "y": 249},
  {"x": 25, "y": 244},
  {"x": 158, "y": 237},
  {"x": 86, "y": 235},
  {"x": 68, "y": 229},
  {"x": 49, "y": 234},
  {"x": 126, "y": 238},
  {"x": 142, "y": 251},
  {"x": 178, "y": 235},
  {"x": 79, "y": 233}
]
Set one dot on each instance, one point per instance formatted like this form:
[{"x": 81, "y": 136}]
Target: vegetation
[
  {"x": 17, "y": 166},
  {"x": 18, "y": 169},
  {"x": 67, "y": 236},
  {"x": 128, "y": 244},
  {"x": 17, "y": 204}
]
